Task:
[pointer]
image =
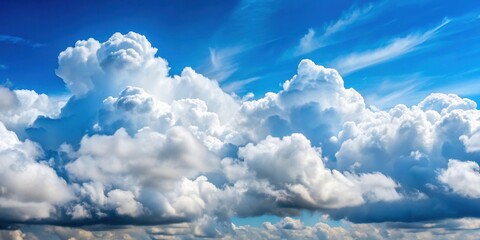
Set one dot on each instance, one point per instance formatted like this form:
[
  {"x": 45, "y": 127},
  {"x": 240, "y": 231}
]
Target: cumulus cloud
[
  {"x": 147, "y": 158},
  {"x": 305, "y": 183},
  {"x": 97, "y": 73},
  {"x": 472, "y": 142},
  {"x": 20, "y": 108},
  {"x": 135, "y": 145},
  {"x": 29, "y": 189},
  {"x": 462, "y": 177}
]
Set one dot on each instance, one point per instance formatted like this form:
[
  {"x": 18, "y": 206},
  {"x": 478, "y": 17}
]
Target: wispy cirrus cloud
[
  {"x": 314, "y": 39},
  {"x": 238, "y": 85},
  {"x": 19, "y": 40},
  {"x": 393, "y": 49},
  {"x": 221, "y": 63},
  {"x": 392, "y": 92}
]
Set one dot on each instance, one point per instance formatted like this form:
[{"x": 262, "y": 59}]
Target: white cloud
[
  {"x": 77, "y": 66},
  {"x": 434, "y": 124},
  {"x": 28, "y": 189},
  {"x": 462, "y": 177},
  {"x": 406, "y": 144},
  {"x": 133, "y": 110},
  {"x": 129, "y": 60},
  {"x": 20, "y": 108},
  {"x": 349, "y": 17},
  {"x": 295, "y": 174},
  {"x": 111, "y": 66},
  {"x": 290, "y": 223},
  {"x": 8, "y": 98},
  {"x": 472, "y": 143},
  {"x": 148, "y": 173},
  {"x": 124, "y": 202},
  {"x": 147, "y": 158},
  {"x": 446, "y": 103},
  {"x": 313, "y": 102},
  {"x": 308, "y": 43}
]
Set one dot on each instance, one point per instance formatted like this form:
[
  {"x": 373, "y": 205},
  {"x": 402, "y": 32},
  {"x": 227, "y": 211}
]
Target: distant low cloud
[{"x": 175, "y": 155}]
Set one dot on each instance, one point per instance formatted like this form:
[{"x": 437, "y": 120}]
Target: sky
[{"x": 239, "y": 119}]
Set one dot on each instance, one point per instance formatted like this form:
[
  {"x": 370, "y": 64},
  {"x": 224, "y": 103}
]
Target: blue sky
[
  {"x": 248, "y": 45},
  {"x": 240, "y": 119}
]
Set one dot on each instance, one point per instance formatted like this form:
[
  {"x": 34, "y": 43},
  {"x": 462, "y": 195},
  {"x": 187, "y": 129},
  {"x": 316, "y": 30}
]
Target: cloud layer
[{"x": 135, "y": 145}]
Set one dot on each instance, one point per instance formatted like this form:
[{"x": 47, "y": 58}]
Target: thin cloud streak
[
  {"x": 222, "y": 63},
  {"x": 18, "y": 40},
  {"x": 396, "y": 47},
  {"x": 311, "y": 41},
  {"x": 398, "y": 93},
  {"x": 239, "y": 85}
]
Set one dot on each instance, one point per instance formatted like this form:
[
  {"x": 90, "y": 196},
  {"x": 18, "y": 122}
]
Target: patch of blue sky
[{"x": 308, "y": 219}]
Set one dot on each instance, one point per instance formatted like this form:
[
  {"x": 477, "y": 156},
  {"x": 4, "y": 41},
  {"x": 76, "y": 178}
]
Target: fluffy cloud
[
  {"x": 136, "y": 145},
  {"x": 124, "y": 202},
  {"x": 313, "y": 103},
  {"x": 149, "y": 167},
  {"x": 97, "y": 73},
  {"x": 133, "y": 109},
  {"x": 28, "y": 189},
  {"x": 305, "y": 183},
  {"x": 148, "y": 158},
  {"x": 20, "y": 108},
  {"x": 462, "y": 177},
  {"x": 78, "y": 65},
  {"x": 472, "y": 142}
]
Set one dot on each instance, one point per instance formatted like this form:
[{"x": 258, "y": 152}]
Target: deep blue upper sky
[{"x": 390, "y": 51}]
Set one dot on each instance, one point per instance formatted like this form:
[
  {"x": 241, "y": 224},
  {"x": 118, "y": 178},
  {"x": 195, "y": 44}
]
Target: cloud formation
[{"x": 135, "y": 145}]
